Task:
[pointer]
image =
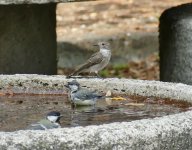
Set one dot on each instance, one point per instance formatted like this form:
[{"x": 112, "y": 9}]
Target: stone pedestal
[
  {"x": 28, "y": 39},
  {"x": 176, "y": 44},
  {"x": 28, "y": 36}
]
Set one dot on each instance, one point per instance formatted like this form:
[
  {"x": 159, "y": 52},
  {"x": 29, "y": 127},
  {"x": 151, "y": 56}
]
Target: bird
[
  {"x": 96, "y": 62},
  {"x": 50, "y": 122},
  {"x": 79, "y": 96}
]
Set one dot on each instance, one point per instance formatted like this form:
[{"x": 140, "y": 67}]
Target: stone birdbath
[
  {"x": 28, "y": 35},
  {"x": 168, "y": 132}
]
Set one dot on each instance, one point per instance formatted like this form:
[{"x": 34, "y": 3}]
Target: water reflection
[{"x": 18, "y": 112}]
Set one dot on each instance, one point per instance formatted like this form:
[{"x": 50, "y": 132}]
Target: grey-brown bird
[{"x": 97, "y": 61}]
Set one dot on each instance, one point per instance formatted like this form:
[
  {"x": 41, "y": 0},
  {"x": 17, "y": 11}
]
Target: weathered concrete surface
[
  {"x": 43, "y": 84},
  {"x": 125, "y": 48},
  {"x": 175, "y": 42},
  {"x": 169, "y": 132},
  {"x": 166, "y": 133},
  {"x": 6, "y": 2},
  {"x": 28, "y": 39}
]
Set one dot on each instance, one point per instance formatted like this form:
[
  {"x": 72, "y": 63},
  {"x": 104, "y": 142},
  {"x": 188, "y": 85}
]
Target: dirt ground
[
  {"x": 113, "y": 17},
  {"x": 109, "y": 17}
]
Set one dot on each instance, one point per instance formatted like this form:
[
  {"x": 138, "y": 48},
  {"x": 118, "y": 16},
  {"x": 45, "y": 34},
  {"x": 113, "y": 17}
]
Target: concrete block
[
  {"x": 28, "y": 39},
  {"x": 175, "y": 42}
]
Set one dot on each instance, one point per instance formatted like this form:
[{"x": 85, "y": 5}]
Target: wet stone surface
[{"x": 18, "y": 111}]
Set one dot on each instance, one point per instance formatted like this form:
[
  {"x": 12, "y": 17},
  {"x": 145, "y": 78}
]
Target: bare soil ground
[
  {"x": 113, "y": 17},
  {"x": 108, "y": 17}
]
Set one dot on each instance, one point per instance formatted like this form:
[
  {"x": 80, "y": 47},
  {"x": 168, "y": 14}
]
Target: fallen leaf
[
  {"x": 2, "y": 94},
  {"x": 10, "y": 93},
  {"x": 135, "y": 104},
  {"x": 118, "y": 98}
]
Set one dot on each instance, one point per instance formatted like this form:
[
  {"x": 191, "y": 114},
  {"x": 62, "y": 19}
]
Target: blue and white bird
[
  {"x": 80, "y": 96},
  {"x": 50, "y": 122}
]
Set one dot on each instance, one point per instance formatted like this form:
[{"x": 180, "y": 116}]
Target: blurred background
[{"x": 131, "y": 26}]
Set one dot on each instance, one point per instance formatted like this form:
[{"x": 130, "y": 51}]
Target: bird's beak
[
  {"x": 60, "y": 116},
  {"x": 95, "y": 45}
]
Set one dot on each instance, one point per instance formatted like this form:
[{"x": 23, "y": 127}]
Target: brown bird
[{"x": 97, "y": 61}]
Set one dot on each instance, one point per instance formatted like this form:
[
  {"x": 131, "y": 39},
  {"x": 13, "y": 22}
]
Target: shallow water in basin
[{"x": 17, "y": 112}]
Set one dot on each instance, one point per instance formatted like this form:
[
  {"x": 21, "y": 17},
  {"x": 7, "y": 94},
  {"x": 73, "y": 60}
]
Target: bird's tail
[
  {"x": 78, "y": 70},
  {"x": 74, "y": 73}
]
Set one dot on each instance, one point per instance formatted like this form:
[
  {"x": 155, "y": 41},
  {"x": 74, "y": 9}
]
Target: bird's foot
[
  {"x": 98, "y": 76},
  {"x": 73, "y": 106},
  {"x": 67, "y": 77}
]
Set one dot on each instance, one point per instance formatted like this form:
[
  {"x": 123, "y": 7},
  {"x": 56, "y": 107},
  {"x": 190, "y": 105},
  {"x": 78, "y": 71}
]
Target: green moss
[
  {"x": 104, "y": 73},
  {"x": 120, "y": 67}
]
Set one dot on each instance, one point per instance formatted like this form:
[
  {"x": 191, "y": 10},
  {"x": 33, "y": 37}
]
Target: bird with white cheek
[{"x": 50, "y": 122}]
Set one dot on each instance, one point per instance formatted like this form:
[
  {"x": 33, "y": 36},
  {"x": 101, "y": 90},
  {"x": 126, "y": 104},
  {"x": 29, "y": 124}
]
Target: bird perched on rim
[
  {"x": 80, "y": 96},
  {"x": 51, "y": 121},
  {"x": 97, "y": 61}
]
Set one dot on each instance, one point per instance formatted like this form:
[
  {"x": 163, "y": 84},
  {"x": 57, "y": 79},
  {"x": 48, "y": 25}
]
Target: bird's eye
[{"x": 103, "y": 44}]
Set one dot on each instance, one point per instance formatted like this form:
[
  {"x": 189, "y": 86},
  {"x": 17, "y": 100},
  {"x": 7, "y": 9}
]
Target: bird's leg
[
  {"x": 94, "y": 108},
  {"x": 73, "y": 106},
  {"x": 91, "y": 75},
  {"x": 97, "y": 74},
  {"x": 69, "y": 76}
]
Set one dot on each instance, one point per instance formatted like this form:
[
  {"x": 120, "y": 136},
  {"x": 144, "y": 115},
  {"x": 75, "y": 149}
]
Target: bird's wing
[
  {"x": 42, "y": 125},
  {"x": 36, "y": 126},
  {"x": 96, "y": 58},
  {"x": 85, "y": 95},
  {"x": 48, "y": 124}
]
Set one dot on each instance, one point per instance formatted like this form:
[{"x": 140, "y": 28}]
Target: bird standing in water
[
  {"x": 51, "y": 121},
  {"x": 80, "y": 96},
  {"x": 97, "y": 61}
]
